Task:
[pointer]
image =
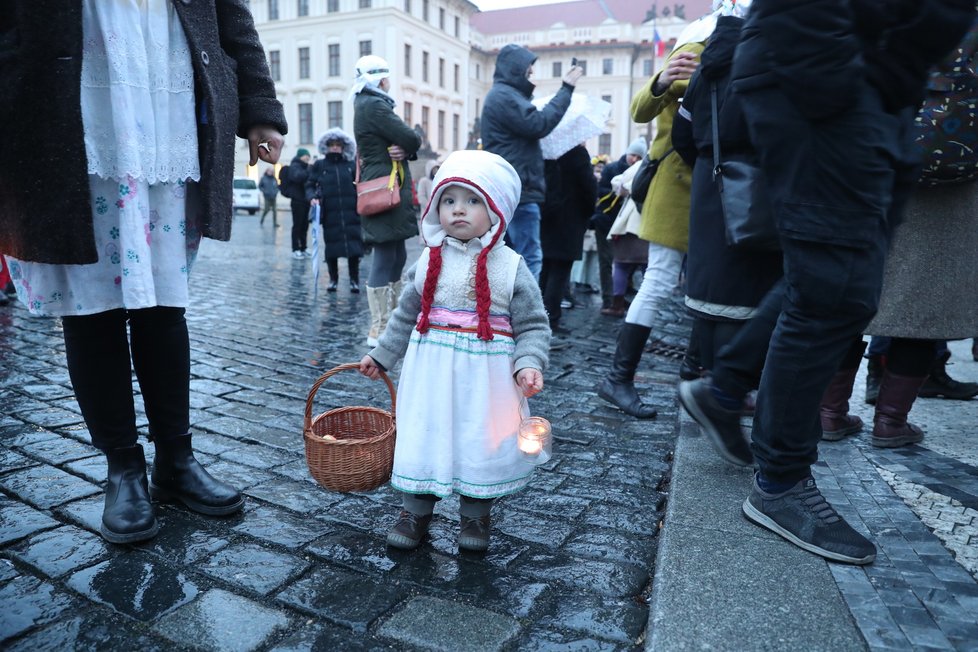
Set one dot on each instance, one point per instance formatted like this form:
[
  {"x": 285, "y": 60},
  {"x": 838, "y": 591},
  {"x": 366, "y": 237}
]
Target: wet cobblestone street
[{"x": 303, "y": 568}]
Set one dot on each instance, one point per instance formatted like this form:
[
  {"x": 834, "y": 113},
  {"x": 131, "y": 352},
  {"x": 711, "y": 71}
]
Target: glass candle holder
[{"x": 534, "y": 440}]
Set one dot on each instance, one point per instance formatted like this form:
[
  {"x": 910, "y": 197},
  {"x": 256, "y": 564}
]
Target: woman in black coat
[
  {"x": 724, "y": 285},
  {"x": 572, "y": 192},
  {"x": 383, "y": 139},
  {"x": 330, "y": 186},
  {"x": 111, "y": 249}
]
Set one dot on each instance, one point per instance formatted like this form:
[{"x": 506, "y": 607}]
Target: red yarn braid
[
  {"x": 483, "y": 298},
  {"x": 430, "y": 282}
]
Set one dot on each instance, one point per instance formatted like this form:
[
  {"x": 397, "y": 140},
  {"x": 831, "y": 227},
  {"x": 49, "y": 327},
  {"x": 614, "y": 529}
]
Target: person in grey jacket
[
  {"x": 512, "y": 127},
  {"x": 268, "y": 186},
  {"x": 111, "y": 250}
]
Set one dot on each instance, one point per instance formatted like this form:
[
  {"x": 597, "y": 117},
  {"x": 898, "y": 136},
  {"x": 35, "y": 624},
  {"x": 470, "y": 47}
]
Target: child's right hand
[{"x": 369, "y": 368}]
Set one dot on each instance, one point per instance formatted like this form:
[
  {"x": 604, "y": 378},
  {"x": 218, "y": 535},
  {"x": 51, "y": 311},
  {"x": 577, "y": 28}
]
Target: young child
[{"x": 475, "y": 338}]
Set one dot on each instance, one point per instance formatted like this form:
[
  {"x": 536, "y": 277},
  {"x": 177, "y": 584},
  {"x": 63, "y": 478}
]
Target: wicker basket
[{"x": 360, "y": 455}]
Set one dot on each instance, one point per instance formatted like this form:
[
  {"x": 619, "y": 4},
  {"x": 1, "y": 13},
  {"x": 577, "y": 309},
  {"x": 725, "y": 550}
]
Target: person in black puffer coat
[
  {"x": 571, "y": 193},
  {"x": 330, "y": 186}
]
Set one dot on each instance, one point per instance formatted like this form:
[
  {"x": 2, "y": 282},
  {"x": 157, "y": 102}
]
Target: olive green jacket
[{"x": 665, "y": 213}]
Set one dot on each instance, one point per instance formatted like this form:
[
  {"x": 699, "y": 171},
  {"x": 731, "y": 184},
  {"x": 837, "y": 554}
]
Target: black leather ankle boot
[
  {"x": 178, "y": 476},
  {"x": 617, "y": 388},
  {"x": 128, "y": 515}
]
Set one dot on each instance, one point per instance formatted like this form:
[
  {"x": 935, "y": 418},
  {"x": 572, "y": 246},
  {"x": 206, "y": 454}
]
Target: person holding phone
[{"x": 512, "y": 127}]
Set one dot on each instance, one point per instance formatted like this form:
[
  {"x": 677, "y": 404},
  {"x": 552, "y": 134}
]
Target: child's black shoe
[
  {"x": 474, "y": 534},
  {"x": 408, "y": 531}
]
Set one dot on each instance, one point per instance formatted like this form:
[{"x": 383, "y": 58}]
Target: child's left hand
[{"x": 530, "y": 381}]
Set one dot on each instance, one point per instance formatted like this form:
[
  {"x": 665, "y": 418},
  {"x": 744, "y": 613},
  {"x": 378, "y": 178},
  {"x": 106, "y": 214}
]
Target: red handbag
[{"x": 381, "y": 194}]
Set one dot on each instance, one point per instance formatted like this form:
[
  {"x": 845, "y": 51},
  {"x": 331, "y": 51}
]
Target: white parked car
[{"x": 246, "y": 195}]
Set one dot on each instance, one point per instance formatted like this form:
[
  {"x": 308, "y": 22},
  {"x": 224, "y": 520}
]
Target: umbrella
[
  {"x": 586, "y": 118},
  {"x": 315, "y": 249}
]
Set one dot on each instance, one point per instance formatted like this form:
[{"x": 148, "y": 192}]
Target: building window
[
  {"x": 302, "y": 8},
  {"x": 407, "y": 60},
  {"x": 365, "y": 4},
  {"x": 425, "y": 6},
  {"x": 272, "y": 9},
  {"x": 456, "y": 126},
  {"x": 332, "y": 6},
  {"x": 458, "y": 76},
  {"x": 478, "y": 71},
  {"x": 606, "y": 98},
  {"x": 407, "y": 6},
  {"x": 408, "y": 113},
  {"x": 441, "y": 130},
  {"x": 304, "y": 67},
  {"x": 647, "y": 67},
  {"x": 305, "y": 123},
  {"x": 424, "y": 66},
  {"x": 425, "y": 120},
  {"x": 441, "y": 19},
  {"x": 335, "y": 112},
  {"x": 441, "y": 73},
  {"x": 458, "y": 27},
  {"x": 334, "y": 59},
  {"x": 366, "y": 47},
  {"x": 607, "y": 66},
  {"x": 583, "y": 65},
  {"x": 275, "y": 65},
  {"x": 558, "y": 69},
  {"x": 604, "y": 145}
]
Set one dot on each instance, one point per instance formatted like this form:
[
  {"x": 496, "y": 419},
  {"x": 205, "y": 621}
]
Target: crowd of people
[{"x": 825, "y": 117}]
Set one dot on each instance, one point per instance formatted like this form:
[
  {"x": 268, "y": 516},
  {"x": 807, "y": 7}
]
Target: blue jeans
[{"x": 523, "y": 235}]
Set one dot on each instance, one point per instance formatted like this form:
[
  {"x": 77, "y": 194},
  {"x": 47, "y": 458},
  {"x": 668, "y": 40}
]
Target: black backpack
[{"x": 283, "y": 182}]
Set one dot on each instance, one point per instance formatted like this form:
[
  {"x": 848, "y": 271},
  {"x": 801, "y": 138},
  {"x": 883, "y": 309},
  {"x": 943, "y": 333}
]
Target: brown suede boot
[
  {"x": 837, "y": 423},
  {"x": 896, "y": 397},
  {"x": 617, "y": 308}
]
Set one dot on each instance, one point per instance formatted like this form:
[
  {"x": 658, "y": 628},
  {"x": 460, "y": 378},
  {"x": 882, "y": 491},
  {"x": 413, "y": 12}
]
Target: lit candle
[
  {"x": 534, "y": 439},
  {"x": 530, "y": 446}
]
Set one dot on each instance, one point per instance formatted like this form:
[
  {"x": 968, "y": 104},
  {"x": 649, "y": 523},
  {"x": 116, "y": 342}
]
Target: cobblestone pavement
[
  {"x": 303, "y": 568},
  {"x": 920, "y": 504}
]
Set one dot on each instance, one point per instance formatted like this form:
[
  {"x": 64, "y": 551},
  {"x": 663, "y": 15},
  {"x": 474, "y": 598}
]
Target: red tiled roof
[{"x": 582, "y": 13}]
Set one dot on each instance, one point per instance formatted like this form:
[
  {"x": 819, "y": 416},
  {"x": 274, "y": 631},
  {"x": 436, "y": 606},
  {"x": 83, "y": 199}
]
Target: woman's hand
[
  {"x": 314, "y": 202},
  {"x": 397, "y": 153},
  {"x": 265, "y": 143},
  {"x": 682, "y": 66},
  {"x": 530, "y": 381},
  {"x": 369, "y": 368}
]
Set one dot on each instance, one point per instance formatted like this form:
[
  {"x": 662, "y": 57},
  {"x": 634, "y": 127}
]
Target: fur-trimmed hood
[{"x": 335, "y": 133}]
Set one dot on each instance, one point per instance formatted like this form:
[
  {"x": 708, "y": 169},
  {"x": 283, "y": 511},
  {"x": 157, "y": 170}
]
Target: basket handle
[{"x": 307, "y": 422}]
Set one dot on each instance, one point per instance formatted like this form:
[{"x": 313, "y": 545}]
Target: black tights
[
  {"x": 98, "y": 353},
  {"x": 353, "y": 266}
]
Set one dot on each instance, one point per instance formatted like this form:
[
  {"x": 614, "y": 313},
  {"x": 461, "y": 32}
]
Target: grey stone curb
[{"x": 722, "y": 583}]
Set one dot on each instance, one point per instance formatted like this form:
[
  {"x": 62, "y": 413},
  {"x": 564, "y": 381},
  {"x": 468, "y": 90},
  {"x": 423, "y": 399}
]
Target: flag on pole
[
  {"x": 658, "y": 44},
  {"x": 315, "y": 249}
]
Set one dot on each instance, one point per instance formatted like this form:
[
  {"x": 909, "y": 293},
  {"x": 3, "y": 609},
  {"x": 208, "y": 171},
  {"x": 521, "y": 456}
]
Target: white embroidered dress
[
  {"x": 458, "y": 407},
  {"x": 137, "y": 101}
]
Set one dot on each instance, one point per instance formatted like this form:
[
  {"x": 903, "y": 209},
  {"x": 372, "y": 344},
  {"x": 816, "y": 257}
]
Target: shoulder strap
[
  {"x": 717, "y": 170},
  {"x": 356, "y": 156}
]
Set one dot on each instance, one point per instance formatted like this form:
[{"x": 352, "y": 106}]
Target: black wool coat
[
  {"x": 571, "y": 193},
  {"x": 40, "y": 73},
  {"x": 331, "y": 182}
]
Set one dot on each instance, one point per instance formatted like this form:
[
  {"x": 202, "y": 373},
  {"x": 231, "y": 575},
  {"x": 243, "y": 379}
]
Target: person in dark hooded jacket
[
  {"x": 330, "y": 186},
  {"x": 512, "y": 128},
  {"x": 292, "y": 183}
]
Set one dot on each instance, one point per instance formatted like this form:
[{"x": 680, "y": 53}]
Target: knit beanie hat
[
  {"x": 495, "y": 181},
  {"x": 302, "y": 151},
  {"x": 638, "y": 147}
]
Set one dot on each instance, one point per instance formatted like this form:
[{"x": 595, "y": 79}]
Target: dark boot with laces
[
  {"x": 803, "y": 516},
  {"x": 473, "y": 533},
  {"x": 940, "y": 385},
  {"x": 409, "y": 530}
]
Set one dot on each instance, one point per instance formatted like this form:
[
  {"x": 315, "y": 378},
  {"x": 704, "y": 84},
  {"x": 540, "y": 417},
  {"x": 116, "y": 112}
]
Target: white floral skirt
[
  {"x": 458, "y": 413},
  {"x": 146, "y": 241}
]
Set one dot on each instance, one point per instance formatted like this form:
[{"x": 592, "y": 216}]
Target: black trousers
[
  {"x": 838, "y": 187},
  {"x": 554, "y": 277},
  {"x": 300, "y": 224},
  {"x": 352, "y": 265},
  {"x": 100, "y": 366}
]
